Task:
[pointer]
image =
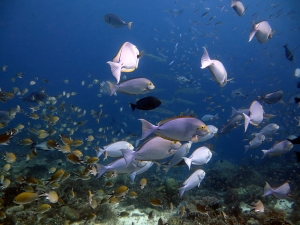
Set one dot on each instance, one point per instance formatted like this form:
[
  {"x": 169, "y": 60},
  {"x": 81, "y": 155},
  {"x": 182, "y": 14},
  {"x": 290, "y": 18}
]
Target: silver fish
[
  {"x": 232, "y": 123},
  {"x": 113, "y": 149},
  {"x": 194, "y": 180},
  {"x": 116, "y": 22},
  {"x": 256, "y": 115},
  {"x": 142, "y": 170},
  {"x": 238, "y": 7},
  {"x": 280, "y": 192},
  {"x": 181, "y": 152},
  {"x": 279, "y": 148},
  {"x": 135, "y": 86},
  {"x": 199, "y": 157},
  {"x": 5, "y": 117},
  {"x": 126, "y": 60},
  {"x": 177, "y": 128},
  {"x": 272, "y": 97},
  {"x": 212, "y": 131},
  {"x": 262, "y": 31},
  {"x": 268, "y": 130},
  {"x": 209, "y": 117},
  {"x": 216, "y": 68},
  {"x": 255, "y": 142},
  {"x": 240, "y": 111}
]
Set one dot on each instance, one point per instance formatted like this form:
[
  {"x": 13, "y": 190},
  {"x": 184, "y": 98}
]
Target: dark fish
[
  {"x": 35, "y": 96},
  {"x": 297, "y": 100},
  {"x": 146, "y": 103},
  {"x": 5, "y": 117},
  {"x": 298, "y": 85},
  {"x": 288, "y": 53},
  {"x": 298, "y": 156},
  {"x": 272, "y": 97},
  {"x": 231, "y": 124},
  {"x": 115, "y": 21},
  {"x": 295, "y": 141}
]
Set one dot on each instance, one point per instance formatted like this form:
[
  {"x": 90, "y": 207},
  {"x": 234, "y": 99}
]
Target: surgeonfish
[
  {"x": 238, "y": 7},
  {"x": 268, "y": 130},
  {"x": 256, "y": 115},
  {"x": 194, "y": 180},
  {"x": 134, "y": 86},
  {"x": 141, "y": 170},
  {"x": 280, "y": 192},
  {"x": 147, "y": 103},
  {"x": 126, "y": 60},
  {"x": 116, "y": 22},
  {"x": 255, "y": 142},
  {"x": 231, "y": 123},
  {"x": 216, "y": 68},
  {"x": 212, "y": 132},
  {"x": 262, "y": 31},
  {"x": 240, "y": 111},
  {"x": 272, "y": 97},
  {"x": 279, "y": 148},
  {"x": 114, "y": 149},
  {"x": 209, "y": 117},
  {"x": 199, "y": 157},
  {"x": 177, "y": 128},
  {"x": 288, "y": 53}
]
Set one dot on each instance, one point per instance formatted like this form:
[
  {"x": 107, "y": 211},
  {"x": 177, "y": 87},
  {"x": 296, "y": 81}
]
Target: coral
[
  {"x": 285, "y": 205},
  {"x": 171, "y": 186}
]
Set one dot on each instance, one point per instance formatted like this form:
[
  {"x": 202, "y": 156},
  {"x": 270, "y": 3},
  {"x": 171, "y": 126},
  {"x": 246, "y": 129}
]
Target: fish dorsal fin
[
  {"x": 118, "y": 55},
  {"x": 205, "y": 60},
  {"x": 145, "y": 142},
  {"x": 172, "y": 118}
]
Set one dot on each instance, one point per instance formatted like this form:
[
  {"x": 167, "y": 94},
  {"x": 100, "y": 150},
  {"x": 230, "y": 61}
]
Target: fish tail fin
[
  {"x": 188, "y": 162},
  {"x": 233, "y": 2},
  {"x": 181, "y": 191},
  {"x": 129, "y": 25},
  {"x": 147, "y": 128},
  {"x": 129, "y": 155},
  {"x": 132, "y": 176},
  {"x": 101, "y": 170},
  {"x": 233, "y": 111},
  {"x": 205, "y": 60},
  {"x": 285, "y": 46},
  {"x": 268, "y": 190},
  {"x": 266, "y": 152},
  {"x": 133, "y": 106},
  {"x": 217, "y": 116},
  {"x": 246, "y": 148},
  {"x": 99, "y": 152},
  {"x": 112, "y": 87},
  {"x": 247, "y": 121},
  {"x": 115, "y": 70},
  {"x": 252, "y": 32}
]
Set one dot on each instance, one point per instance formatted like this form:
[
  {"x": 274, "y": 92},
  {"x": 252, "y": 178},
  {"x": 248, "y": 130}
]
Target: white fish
[
  {"x": 126, "y": 60},
  {"x": 194, "y": 180},
  {"x": 199, "y": 157},
  {"x": 238, "y": 7},
  {"x": 113, "y": 149},
  {"x": 133, "y": 86},
  {"x": 213, "y": 130},
  {"x": 140, "y": 171},
  {"x": 181, "y": 152},
  {"x": 297, "y": 73},
  {"x": 268, "y": 130},
  {"x": 209, "y": 117},
  {"x": 279, "y": 148},
  {"x": 255, "y": 142},
  {"x": 262, "y": 31},
  {"x": 280, "y": 192},
  {"x": 216, "y": 68},
  {"x": 256, "y": 115}
]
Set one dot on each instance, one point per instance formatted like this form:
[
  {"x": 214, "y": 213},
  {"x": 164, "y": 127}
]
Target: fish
[
  {"x": 116, "y": 22},
  {"x": 257, "y": 206},
  {"x": 288, "y": 54},
  {"x": 279, "y": 148},
  {"x": 268, "y": 129},
  {"x": 6, "y": 117},
  {"x": 199, "y": 157},
  {"x": 271, "y": 98},
  {"x": 238, "y": 7},
  {"x": 297, "y": 73},
  {"x": 212, "y": 132},
  {"x": 298, "y": 156},
  {"x": 262, "y": 31},
  {"x": 143, "y": 183},
  {"x": 280, "y": 192},
  {"x": 156, "y": 202},
  {"x": 295, "y": 141},
  {"x": 177, "y": 128},
  {"x": 256, "y": 115},
  {"x": 35, "y": 97},
  {"x": 126, "y": 60},
  {"x": 147, "y": 103},
  {"x": 216, "y": 68},
  {"x": 134, "y": 86},
  {"x": 209, "y": 117},
  {"x": 231, "y": 123},
  {"x": 255, "y": 142},
  {"x": 194, "y": 180},
  {"x": 155, "y": 148},
  {"x": 113, "y": 149},
  {"x": 240, "y": 111}
]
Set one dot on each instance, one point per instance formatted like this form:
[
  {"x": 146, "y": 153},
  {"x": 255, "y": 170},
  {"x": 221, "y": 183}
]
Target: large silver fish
[
  {"x": 126, "y": 60},
  {"x": 181, "y": 152},
  {"x": 262, "y": 31},
  {"x": 134, "y": 86},
  {"x": 232, "y": 123},
  {"x": 199, "y": 157},
  {"x": 216, "y": 68},
  {"x": 114, "y": 149},
  {"x": 268, "y": 130},
  {"x": 115, "y": 21},
  {"x": 194, "y": 180},
  {"x": 272, "y": 97},
  {"x": 142, "y": 170},
  {"x": 212, "y": 131},
  {"x": 177, "y": 128},
  {"x": 256, "y": 115},
  {"x": 279, "y": 148},
  {"x": 280, "y": 192},
  {"x": 238, "y": 7},
  {"x": 255, "y": 142}
]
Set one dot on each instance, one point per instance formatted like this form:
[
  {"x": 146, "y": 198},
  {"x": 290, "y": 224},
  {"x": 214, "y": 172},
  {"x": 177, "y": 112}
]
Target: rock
[
  {"x": 69, "y": 213},
  {"x": 252, "y": 222},
  {"x": 285, "y": 205}
]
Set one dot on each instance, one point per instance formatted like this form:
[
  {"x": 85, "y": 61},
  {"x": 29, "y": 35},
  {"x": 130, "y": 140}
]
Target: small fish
[
  {"x": 209, "y": 117},
  {"x": 182, "y": 211},
  {"x": 116, "y": 22},
  {"x": 143, "y": 183},
  {"x": 257, "y": 141},
  {"x": 193, "y": 181},
  {"x": 288, "y": 53},
  {"x": 280, "y": 192},
  {"x": 257, "y": 206},
  {"x": 199, "y": 157},
  {"x": 156, "y": 202},
  {"x": 297, "y": 73},
  {"x": 262, "y": 31},
  {"x": 147, "y": 103}
]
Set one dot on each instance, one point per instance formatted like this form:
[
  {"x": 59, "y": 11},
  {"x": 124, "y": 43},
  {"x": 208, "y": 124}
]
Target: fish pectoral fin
[{"x": 141, "y": 54}]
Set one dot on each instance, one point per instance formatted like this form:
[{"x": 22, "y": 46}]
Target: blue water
[{"x": 59, "y": 40}]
